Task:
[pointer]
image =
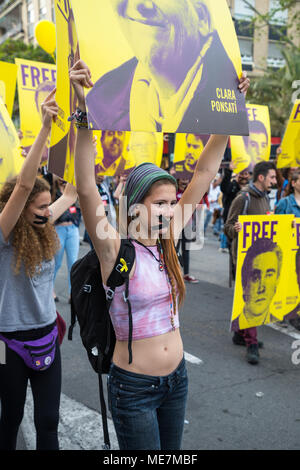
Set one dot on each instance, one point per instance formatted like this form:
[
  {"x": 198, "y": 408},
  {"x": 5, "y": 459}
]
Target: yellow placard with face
[
  {"x": 10, "y": 154},
  {"x": 161, "y": 66},
  {"x": 188, "y": 149},
  {"x": 248, "y": 150},
  {"x": 290, "y": 147},
  {"x": 8, "y": 80},
  {"x": 35, "y": 81},
  {"x": 63, "y": 135},
  {"x": 264, "y": 281},
  {"x": 293, "y": 297},
  {"x": 118, "y": 152}
]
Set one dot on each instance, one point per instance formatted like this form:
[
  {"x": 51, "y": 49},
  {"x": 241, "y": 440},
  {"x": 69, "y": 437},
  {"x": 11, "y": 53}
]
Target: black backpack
[{"x": 90, "y": 306}]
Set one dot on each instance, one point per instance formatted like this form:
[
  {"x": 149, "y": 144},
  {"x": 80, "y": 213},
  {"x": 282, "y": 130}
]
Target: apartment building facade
[{"x": 19, "y": 17}]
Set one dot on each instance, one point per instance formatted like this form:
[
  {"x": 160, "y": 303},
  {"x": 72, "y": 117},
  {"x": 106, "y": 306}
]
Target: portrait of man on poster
[
  {"x": 257, "y": 143},
  {"x": 179, "y": 62},
  {"x": 260, "y": 275}
]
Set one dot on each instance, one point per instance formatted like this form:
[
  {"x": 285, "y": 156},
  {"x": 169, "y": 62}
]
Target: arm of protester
[
  {"x": 63, "y": 203},
  {"x": 120, "y": 187},
  {"x": 206, "y": 169},
  {"x": 26, "y": 179},
  {"x": 226, "y": 181},
  {"x": 232, "y": 226},
  {"x": 104, "y": 237}
]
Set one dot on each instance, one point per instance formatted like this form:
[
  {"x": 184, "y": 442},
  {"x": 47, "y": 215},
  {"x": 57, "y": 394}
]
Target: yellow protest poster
[
  {"x": 290, "y": 147},
  {"x": 35, "y": 81},
  {"x": 263, "y": 277},
  {"x": 188, "y": 149},
  {"x": 118, "y": 152},
  {"x": 63, "y": 134},
  {"x": 293, "y": 297},
  {"x": 246, "y": 151},
  {"x": 8, "y": 80},
  {"x": 161, "y": 66},
  {"x": 10, "y": 153}
]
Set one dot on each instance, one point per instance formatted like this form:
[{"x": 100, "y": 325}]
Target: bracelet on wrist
[{"x": 80, "y": 117}]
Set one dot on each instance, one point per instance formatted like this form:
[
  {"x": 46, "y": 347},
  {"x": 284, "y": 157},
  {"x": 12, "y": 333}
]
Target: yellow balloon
[{"x": 45, "y": 35}]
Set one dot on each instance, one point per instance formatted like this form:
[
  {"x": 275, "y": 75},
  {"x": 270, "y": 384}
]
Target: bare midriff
[{"x": 156, "y": 356}]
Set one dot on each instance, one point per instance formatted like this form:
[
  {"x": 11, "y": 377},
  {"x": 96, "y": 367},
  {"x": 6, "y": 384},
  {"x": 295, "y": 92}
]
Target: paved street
[{"x": 231, "y": 405}]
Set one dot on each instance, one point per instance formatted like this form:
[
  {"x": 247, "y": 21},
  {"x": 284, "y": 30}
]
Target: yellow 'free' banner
[
  {"x": 248, "y": 150},
  {"x": 290, "y": 147},
  {"x": 266, "y": 288},
  {"x": 10, "y": 153},
  {"x": 35, "y": 81},
  {"x": 8, "y": 80},
  {"x": 63, "y": 134},
  {"x": 293, "y": 298},
  {"x": 163, "y": 66},
  {"x": 118, "y": 153},
  {"x": 188, "y": 149}
]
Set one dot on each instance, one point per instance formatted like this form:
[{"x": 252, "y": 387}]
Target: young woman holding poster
[
  {"x": 28, "y": 318},
  {"x": 147, "y": 396}
]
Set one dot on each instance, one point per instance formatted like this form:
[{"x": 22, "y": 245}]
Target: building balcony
[
  {"x": 10, "y": 20},
  {"x": 6, "y": 6}
]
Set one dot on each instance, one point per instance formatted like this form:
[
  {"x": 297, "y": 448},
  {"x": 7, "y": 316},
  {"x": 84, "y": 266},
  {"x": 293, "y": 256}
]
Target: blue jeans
[
  {"x": 208, "y": 216},
  {"x": 69, "y": 243},
  {"x": 224, "y": 241},
  {"x": 148, "y": 411}
]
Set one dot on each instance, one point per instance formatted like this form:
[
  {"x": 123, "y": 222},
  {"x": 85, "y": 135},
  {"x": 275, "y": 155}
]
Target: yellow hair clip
[{"x": 125, "y": 267}]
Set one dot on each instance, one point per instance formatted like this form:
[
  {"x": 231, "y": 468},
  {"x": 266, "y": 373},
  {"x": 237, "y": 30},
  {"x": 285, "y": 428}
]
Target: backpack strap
[
  {"x": 119, "y": 276},
  {"x": 73, "y": 321},
  {"x": 106, "y": 445},
  {"x": 246, "y": 205},
  {"x": 126, "y": 298}
]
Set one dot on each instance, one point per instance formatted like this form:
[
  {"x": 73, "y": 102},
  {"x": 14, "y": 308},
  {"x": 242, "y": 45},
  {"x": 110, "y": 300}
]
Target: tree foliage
[
  {"x": 276, "y": 88},
  {"x": 12, "y": 49}
]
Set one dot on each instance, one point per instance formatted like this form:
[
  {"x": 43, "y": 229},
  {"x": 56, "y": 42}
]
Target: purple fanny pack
[{"x": 38, "y": 354}]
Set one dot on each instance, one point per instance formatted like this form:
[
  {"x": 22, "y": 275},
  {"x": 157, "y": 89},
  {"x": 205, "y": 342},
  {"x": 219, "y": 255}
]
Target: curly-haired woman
[
  {"x": 28, "y": 243},
  {"x": 148, "y": 394}
]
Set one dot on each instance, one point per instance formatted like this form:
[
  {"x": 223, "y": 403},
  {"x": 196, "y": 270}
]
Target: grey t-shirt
[{"x": 25, "y": 303}]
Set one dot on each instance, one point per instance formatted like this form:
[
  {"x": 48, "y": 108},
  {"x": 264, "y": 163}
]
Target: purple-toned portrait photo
[{"x": 180, "y": 78}]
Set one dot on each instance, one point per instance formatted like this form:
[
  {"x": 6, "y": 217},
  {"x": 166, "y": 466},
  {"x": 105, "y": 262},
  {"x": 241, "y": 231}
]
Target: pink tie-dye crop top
[{"x": 150, "y": 298}]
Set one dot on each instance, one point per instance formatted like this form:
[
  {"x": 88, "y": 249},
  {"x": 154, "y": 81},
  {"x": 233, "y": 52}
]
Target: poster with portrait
[
  {"x": 290, "y": 147},
  {"x": 293, "y": 297},
  {"x": 161, "y": 66},
  {"x": 8, "y": 80},
  {"x": 35, "y": 81},
  {"x": 63, "y": 134},
  {"x": 10, "y": 154},
  {"x": 246, "y": 151},
  {"x": 263, "y": 276},
  {"x": 188, "y": 149},
  {"x": 118, "y": 152}
]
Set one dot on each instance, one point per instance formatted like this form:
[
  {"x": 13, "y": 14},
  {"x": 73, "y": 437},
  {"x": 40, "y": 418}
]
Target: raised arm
[
  {"x": 104, "y": 237},
  {"x": 63, "y": 203},
  {"x": 26, "y": 179},
  {"x": 206, "y": 169}
]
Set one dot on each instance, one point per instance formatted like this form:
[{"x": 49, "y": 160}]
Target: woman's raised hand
[
  {"x": 244, "y": 83},
  {"x": 80, "y": 77},
  {"x": 49, "y": 110}
]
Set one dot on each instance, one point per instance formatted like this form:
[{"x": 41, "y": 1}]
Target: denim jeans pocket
[{"x": 129, "y": 393}]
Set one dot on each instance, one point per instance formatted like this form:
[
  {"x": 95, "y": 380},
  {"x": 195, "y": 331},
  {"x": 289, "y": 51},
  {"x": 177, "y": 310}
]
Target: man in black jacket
[{"x": 231, "y": 187}]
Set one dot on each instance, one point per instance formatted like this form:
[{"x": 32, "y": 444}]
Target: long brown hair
[{"x": 32, "y": 245}]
